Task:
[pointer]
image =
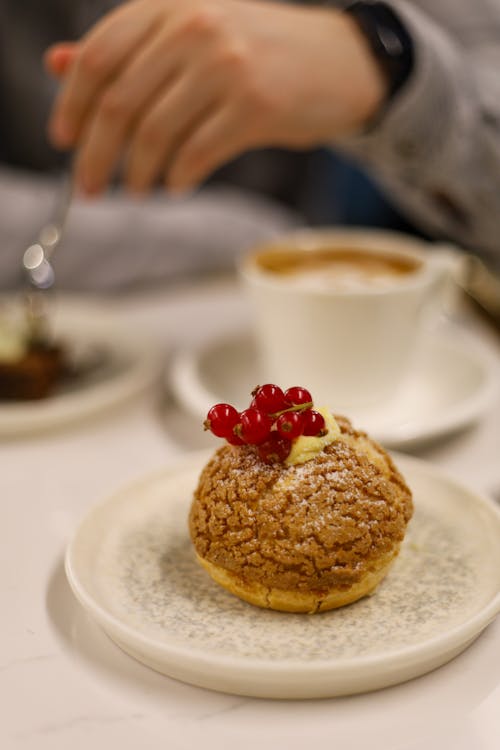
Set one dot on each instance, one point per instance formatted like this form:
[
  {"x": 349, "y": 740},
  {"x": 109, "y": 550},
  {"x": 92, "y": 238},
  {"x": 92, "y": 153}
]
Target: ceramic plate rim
[
  {"x": 93, "y": 325},
  {"x": 444, "y": 642},
  {"x": 183, "y": 379}
]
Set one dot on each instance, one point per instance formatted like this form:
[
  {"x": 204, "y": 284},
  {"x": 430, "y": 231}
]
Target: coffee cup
[{"x": 341, "y": 311}]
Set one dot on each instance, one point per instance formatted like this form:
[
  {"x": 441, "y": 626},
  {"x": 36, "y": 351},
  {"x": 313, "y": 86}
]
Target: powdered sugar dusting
[{"x": 305, "y": 527}]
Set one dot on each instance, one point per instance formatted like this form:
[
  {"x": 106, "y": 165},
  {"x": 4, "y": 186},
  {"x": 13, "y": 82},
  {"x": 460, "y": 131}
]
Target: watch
[{"x": 388, "y": 38}]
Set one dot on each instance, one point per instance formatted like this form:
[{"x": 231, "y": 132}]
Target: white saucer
[
  {"x": 126, "y": 365},
  {"x": 453, "y": 382},
  {"x": 132, "y": 566}
]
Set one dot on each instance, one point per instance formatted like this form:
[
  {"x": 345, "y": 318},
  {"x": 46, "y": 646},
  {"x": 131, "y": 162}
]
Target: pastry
[
  {"x": 30, "y": 366},
  {"x": 301, "y": 519}
]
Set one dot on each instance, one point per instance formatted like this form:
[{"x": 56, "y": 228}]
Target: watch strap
[{"x": 388, "y": 38}]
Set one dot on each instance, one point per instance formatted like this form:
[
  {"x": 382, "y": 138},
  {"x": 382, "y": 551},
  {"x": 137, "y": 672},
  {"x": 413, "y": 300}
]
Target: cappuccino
[
  {"x": 341, "y": 311},
  {"x": 337, "y": 268}
]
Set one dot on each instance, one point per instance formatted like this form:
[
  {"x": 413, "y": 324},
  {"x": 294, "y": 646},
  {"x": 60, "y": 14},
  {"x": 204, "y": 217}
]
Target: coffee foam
[
  {"x": 343, "y": 269},
  {"x": 344, "y": 277}
]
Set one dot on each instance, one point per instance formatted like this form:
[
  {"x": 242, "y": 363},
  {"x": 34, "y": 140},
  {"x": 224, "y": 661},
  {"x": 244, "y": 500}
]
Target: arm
[{"x": 437, "y": 147}]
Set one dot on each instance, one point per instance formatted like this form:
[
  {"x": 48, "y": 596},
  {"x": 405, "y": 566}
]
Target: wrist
[
  {"x": 368, "y": 83},
  {"x": 388, "y": 39}
]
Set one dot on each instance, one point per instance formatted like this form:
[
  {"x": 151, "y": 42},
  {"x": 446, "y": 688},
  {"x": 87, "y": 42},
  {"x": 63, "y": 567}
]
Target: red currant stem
[{"x": 295, "y": 407}]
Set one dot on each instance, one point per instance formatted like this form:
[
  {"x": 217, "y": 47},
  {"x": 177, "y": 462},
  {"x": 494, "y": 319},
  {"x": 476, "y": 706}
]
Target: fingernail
[
  {"x": 178, "y": 189},
  {"x": 88, "y": 187}
]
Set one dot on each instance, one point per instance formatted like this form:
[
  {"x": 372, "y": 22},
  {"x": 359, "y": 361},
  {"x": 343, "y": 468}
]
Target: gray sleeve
[
  {"x": 436, "y": 148},
  {"x": 117, "y": 242}
]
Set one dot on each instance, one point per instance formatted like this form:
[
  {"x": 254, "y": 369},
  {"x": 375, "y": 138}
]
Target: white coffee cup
[{"x": 348, "y": 327}]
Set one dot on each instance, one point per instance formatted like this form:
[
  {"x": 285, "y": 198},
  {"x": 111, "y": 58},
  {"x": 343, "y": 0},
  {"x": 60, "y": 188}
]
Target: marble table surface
[{"x": 64, "y": 684}]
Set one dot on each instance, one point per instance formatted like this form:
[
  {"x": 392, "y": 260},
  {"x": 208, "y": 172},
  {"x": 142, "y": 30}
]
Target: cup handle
[
  {"x": 450, "y": 264},
  {"x": 448, "y": 259}
]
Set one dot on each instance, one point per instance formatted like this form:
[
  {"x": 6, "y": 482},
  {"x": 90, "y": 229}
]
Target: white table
[{"x": 64, "y": 685}]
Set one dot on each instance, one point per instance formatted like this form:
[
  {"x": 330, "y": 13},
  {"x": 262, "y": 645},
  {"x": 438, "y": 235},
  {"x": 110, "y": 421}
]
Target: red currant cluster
[{"x": 273, "y": 419}]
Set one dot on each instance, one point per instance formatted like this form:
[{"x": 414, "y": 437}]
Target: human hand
[{"x": 182, "y": 88}]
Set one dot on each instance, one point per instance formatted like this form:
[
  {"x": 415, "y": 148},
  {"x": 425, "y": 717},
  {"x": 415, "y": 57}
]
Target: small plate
[
  {"x": 454, "y": 381},
  {"x": 132, "y": 566},
  {"x": 112, "y": 365}
]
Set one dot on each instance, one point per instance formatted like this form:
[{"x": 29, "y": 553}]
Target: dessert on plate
[
  {"x": 31, "y": 364},
  {"x": 298, "y": 511}
]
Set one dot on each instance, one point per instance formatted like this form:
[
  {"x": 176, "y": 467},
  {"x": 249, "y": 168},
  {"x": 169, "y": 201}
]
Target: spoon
[{"x": 36, "y": 262}]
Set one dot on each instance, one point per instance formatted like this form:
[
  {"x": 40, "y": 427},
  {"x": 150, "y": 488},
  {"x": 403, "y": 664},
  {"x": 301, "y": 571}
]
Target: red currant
[
  {"x": 269, "y": 398},
  {"x": 290, "y": 425},
  {"x": 254, "y": 426},
  {"x": 234, "y": 439},
  {"x": 298, "y": 396},
  {"x": 275, "y": 449},
  {"x": 313, "y": 423},
  {"x": 221, "y": 419}
]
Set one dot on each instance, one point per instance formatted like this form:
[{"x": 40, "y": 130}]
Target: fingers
[
  {"x": 106, "y": 137},
  {"x": 190, "y": 127},
  {"x": 166, "y": 124},
  {"x": 221, "y": 136},
  {"x": 115, "y": 116},
  {"x": 112, "y": 118},
  {"x": 100, "y": 55},
  {"x": 159, "y": 82}
]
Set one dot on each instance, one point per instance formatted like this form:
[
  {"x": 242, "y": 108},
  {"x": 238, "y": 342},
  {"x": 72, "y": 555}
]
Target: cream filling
[
  {"x": 305, "y": 448},
  {"x": 13, "y": 343}
]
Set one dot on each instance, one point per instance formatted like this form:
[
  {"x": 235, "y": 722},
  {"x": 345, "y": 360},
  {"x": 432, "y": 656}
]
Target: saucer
[
  {"x": 132, "y": 567},
  {"x": 111, "y": 366},
  {"x": 453, "y": 382}
]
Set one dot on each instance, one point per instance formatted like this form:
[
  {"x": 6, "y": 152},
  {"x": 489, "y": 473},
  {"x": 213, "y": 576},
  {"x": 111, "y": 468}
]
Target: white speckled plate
[
  {"x": 132, "y": 567},
  {"x": 119, "y": 366},
  {"x": 454, "y": 381}
]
